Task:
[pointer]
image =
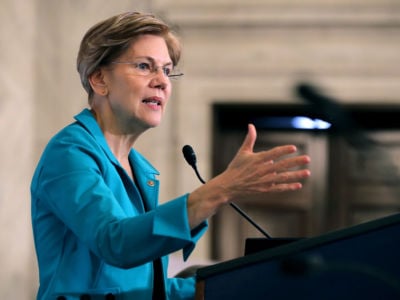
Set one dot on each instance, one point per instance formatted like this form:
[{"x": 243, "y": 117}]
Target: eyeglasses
[{"x": 145, "y": 67}]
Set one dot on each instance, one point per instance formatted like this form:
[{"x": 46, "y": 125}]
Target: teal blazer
[{"x": 92, "y": 233}]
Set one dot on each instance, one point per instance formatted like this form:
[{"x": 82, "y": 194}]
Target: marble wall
[
  {"x": 17, "y": 96},
  {"x": 234, "y": 50}
]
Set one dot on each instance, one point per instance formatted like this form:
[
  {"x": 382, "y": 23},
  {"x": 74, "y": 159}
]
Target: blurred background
[{"x": 261, "y": 61}]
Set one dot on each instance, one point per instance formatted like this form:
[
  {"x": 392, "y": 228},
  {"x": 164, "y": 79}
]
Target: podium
[{"x": 358, "y": 262}]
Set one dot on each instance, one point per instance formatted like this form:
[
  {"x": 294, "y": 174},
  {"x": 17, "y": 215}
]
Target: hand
[
  {"x": 247, "y": 176},
  {"x": 265, "y": 171}
]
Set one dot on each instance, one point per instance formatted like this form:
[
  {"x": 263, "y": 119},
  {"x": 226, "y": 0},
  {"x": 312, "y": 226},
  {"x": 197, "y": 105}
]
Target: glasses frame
[{"x": 153, "y": 70}]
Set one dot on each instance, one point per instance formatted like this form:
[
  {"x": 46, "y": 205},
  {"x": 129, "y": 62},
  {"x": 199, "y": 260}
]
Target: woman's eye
[
  {"x": 143, "y": 66},
  {"x": 167, "y": 70}
]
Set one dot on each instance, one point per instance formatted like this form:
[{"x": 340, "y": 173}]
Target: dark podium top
[{"x": 359, "y": 262}]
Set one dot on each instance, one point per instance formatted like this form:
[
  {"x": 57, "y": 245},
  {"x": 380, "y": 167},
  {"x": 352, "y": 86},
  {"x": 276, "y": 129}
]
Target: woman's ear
[{"x": 97, "y": 82}]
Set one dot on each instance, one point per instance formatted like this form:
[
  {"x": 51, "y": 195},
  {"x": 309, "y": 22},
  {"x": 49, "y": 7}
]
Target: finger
[
  {"x": 290, "y": 162},
  {"x": 285, "y": 187},
  {"x": 291, "y": 176},
  {"x": 277, "y": 152},
  {"x": 250, "y": 139}
]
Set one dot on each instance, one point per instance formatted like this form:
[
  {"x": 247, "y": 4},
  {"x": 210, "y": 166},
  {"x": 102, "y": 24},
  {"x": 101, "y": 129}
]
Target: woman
[{"x": 99, "y": 231}]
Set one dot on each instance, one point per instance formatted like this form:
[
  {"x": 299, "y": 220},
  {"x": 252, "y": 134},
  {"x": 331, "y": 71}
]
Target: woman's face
[{"x": 137, "y": 100}]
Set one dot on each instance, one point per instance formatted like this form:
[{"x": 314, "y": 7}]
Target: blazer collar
[{"x": 145, "y": 173}]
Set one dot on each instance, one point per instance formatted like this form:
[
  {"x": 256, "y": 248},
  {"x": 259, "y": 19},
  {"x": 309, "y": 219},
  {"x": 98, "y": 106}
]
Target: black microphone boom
[
  {"x": 340, "y": 118},
  {"x": 190, "y": 157}
]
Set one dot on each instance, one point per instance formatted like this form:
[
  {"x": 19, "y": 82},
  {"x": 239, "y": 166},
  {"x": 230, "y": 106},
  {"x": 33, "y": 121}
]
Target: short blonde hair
[{"x": 110, "y": 38}]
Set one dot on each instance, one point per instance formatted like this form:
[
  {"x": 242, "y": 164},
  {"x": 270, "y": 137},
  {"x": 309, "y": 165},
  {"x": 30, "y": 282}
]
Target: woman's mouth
[{"x": 152, "y": 101}]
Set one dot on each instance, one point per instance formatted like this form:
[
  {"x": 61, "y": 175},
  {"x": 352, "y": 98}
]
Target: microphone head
[
  {"x": 304, "y": 89},
  {"x": 189, "y": 155},
  {"x": 312, "y": 94}
]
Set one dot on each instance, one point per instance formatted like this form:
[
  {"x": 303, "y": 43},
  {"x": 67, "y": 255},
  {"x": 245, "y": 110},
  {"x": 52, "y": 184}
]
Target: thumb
[{"x": 250, "y": 139}]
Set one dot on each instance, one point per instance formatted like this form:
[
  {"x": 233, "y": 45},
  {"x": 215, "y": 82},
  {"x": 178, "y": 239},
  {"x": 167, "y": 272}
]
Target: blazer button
[{"x": 150, "y": 183}]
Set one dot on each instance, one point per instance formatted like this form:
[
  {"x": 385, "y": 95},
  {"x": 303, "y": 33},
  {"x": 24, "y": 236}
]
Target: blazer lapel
[{"x": 146, "y": 179}]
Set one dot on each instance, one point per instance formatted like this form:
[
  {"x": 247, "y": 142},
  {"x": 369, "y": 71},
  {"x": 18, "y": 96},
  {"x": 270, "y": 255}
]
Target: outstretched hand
[
  {"x": 249, "y": 175},
  {"x": 266, "y": 171}
]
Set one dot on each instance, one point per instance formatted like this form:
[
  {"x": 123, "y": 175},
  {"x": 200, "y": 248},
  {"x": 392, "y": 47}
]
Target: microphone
[{"x": 190, "y": 158}]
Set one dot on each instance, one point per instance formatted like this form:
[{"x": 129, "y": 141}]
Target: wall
[
  {"x": 233, "y": 51},
  {"x": 17, "y": 87}
]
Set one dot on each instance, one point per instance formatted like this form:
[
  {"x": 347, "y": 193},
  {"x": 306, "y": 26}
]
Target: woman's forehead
[{"x": 151, "y": 46}]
